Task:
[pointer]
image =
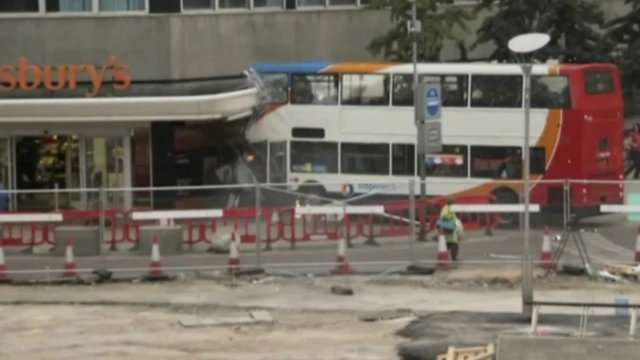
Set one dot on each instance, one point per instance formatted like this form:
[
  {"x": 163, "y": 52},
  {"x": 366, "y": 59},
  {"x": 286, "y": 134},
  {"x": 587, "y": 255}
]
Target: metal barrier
[{"x": 387, "y": 220}]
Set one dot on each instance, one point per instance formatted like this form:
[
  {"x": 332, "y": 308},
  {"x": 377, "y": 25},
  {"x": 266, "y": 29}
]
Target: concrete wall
[
  {"x": 545, "y": 348},
  {"x": 186, "y": 46}
]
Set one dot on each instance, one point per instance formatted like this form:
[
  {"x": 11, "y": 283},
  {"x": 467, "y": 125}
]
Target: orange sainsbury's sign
[{"x": 27, "y": 77}]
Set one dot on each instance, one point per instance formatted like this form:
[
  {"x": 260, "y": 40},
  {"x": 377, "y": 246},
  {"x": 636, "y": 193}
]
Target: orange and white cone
[
  {"x": 443, "y": 260},
  {"x": 4, "y": 278},
  {"x": 637, "y": 252},
  {"x": 296, "y": 210},
  {"x": 155, "y": 266},
  {"x": 342, "y": 264},
  {"x": 233, "y": 263},
  {"x": 69, "y": 261},
  {"x": 546, "y": 256}
]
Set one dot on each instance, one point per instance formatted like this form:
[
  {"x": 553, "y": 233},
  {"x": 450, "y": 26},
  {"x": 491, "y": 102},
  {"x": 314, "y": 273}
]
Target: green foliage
[
  {"x": 625, "y": 32},
  {"x": 575, "y": 27},
  {"x": 439, "y": 23}
]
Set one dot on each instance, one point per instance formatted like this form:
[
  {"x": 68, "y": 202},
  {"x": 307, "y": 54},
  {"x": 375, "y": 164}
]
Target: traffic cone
[
  {"x": 296, "y": 209},
  {"x": 155, "y": 266},
  {"x": 233, "y": 263},
  {"x": 637, "y": 255},
  {"x": 69, "y": 262},
  {"x": 546, "y": 256},
  {"x": 4, "y": 278},
  {"x": 443, "y": 260},
  {"x": 342, "y": 264}
]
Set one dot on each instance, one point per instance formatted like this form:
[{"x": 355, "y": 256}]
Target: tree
[
  {"x": 575, "y": 27},
  {"x": 439, "y": 23},
  {"x": 625, "y": 32}
]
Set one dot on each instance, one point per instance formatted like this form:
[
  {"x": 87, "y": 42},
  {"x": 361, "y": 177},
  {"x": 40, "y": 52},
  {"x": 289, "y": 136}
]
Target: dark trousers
[
  {"x": 453, "y": 248},
  {"x": 635, "y": 164}
]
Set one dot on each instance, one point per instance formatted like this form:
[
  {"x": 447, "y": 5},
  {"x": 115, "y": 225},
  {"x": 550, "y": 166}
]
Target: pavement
[{"x": 464, "y": 307}]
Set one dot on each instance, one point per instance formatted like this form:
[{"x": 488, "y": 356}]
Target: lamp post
[
  {"x": 414, "y": 27},
  {"x": 522, "y": 45}
]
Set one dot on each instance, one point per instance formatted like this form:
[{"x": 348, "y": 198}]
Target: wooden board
[{"x": 468, "y": 353}]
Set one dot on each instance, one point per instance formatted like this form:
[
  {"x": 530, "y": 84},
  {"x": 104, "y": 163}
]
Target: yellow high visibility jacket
[{"x": 447, "y": 214}]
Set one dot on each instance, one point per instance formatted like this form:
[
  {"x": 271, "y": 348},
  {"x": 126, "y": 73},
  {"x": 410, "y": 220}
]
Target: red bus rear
[{"x": 592, "y": 137}]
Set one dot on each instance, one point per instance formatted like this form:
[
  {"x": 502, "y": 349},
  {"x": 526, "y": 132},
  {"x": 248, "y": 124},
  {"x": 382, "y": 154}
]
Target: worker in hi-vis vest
[{"x": 448, "y": 222}]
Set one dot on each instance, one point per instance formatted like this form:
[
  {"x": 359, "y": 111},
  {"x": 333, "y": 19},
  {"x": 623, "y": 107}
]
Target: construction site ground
[{"x": 133, "y": 321}]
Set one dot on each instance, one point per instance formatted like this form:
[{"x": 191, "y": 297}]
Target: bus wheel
[
  {"x": 507, "y": 196},
  {"x": 312, "y": 194}
]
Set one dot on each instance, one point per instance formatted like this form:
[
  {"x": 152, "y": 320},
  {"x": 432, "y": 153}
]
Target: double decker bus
[{"x": 340, "y": 129}]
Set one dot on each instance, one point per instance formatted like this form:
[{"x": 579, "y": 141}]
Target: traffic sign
[
  {"x": 432, "y": 134},
  {"x": 430, "y": 101}
]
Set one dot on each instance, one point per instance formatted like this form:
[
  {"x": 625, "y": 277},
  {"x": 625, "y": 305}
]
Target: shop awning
[{"x": 224, "y": 106}]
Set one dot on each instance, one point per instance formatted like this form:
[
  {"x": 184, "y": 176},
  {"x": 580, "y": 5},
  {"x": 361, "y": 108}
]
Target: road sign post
[{"x": 428, "y": 109}]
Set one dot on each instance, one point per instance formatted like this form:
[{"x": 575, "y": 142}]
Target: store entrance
[{"x": 45, "y": 167}]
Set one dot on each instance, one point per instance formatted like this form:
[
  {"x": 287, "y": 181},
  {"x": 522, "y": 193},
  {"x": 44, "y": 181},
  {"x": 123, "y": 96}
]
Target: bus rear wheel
[{"x": 507, "y": 196}]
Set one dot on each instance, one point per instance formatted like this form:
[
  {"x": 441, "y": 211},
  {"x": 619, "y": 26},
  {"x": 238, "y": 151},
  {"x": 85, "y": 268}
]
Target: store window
[
  {"x": 18, "y": 6},
  {"x": 303, "y": 3},
  {"x": 267, "y": 3},
  {"x": 66, "y": 6},
  {"x": 343, "y": 2},
  {"x": 233, "y": 4},
  {"x": 188, "y": 5},
  {"x": 121, "y": 5}
]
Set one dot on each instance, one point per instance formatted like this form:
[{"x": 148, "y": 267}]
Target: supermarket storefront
[{"x": 76, "y": 126}]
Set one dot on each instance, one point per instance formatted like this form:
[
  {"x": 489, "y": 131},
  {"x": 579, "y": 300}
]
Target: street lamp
[
  {"x": 522, "y": 45},
  {"x": 414, "y": 27}
]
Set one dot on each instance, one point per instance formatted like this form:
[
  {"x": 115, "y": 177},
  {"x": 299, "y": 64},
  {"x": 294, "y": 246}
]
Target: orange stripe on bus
[{"x": 357, "y": 67}]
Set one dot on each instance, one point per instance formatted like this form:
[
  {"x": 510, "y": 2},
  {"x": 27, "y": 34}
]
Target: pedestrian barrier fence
[{"x": 290, "y": 224}]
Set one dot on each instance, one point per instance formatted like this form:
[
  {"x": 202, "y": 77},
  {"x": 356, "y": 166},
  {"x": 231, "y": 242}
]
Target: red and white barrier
[
  {"x": 171, "y": 215},
  {"x": 32, "y": 221},
  {"x": 493, "y": 208},
  {"x": 69, "y": 261},
  {"x": 340, "y": 210},
  {"x": 385, "y": 220},
  {"x": 546, "y": 255},
  {"x": 443, "y": 259},
  {"x": 155, "y": 265}
]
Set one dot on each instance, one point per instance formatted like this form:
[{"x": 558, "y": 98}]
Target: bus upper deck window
[{"x": 598, "y": 82}]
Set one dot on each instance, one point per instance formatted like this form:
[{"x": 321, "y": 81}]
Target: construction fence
[{"x": 287, "y": 226}]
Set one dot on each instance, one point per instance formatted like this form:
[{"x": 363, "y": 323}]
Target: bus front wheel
[
  {"x": 312, "y": 194},
  {"x": 507, "y": 196}
]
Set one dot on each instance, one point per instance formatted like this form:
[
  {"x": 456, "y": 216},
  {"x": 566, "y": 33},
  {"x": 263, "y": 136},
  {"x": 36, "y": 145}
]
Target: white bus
[{"x": 344, "y": 129}]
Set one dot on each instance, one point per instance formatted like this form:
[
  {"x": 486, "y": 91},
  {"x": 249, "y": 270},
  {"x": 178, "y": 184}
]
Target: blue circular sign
[{"x": 432, "y": 101}]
